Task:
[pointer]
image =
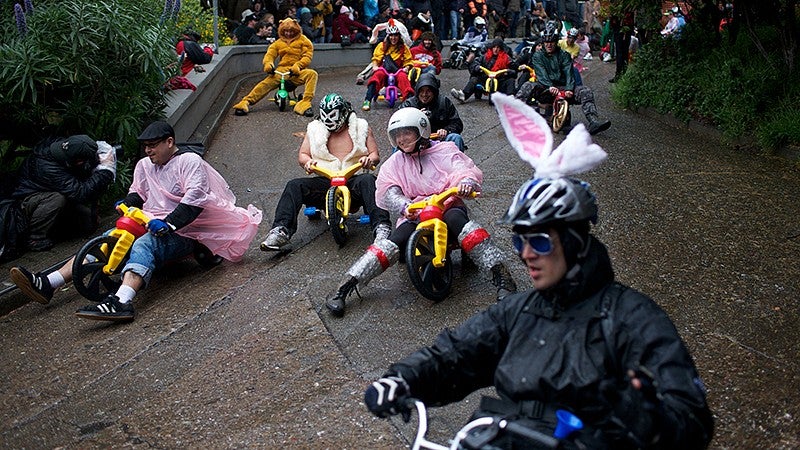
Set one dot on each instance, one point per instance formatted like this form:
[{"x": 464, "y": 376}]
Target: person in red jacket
[
  {"x": 496, "y": 58},
  {"x": 343, "y": 25},
  {"x": 191, "y": 53},
  {"x": 426, "y": 52}
]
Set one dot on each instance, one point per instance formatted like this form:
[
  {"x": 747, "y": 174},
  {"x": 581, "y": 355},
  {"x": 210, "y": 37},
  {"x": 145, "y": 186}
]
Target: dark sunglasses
[{"x": 540, "y": 243}]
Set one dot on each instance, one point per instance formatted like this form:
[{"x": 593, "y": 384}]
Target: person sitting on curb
[
  {"x": 446, "y": 124},
  {"x": 419, "y": 169},
  {"x": 189, "y": 203},
  {"x": 336, "y": 140},
  {"x": 295, "y": 52}
]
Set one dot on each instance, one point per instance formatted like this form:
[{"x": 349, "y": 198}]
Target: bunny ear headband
[{"x": 531, "y": 137}]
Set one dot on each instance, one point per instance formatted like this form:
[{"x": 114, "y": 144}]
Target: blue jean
[
  {"x": 455, "y": 24},
  {"x": 149, "y": 253},
  {"x": 456, "y": 139}
]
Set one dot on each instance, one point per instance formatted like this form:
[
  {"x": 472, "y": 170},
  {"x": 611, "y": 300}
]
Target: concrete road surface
[{"x": 246, "y": 356}]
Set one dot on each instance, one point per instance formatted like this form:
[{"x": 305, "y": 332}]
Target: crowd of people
[{"x": 578, "y": 340}]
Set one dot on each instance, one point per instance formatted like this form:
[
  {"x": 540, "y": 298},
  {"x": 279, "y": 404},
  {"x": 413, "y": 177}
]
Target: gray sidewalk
[{"x": 245, "y": 355}]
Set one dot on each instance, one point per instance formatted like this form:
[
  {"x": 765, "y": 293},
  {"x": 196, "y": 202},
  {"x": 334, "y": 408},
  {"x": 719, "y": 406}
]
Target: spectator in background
[
  {"x": 313, "y": 34},
  {"x": 59, "y": 187},
  {"x": 622, "y": 29},
  {"x": 346, "y": 29},
  {"x": 244, "y": 33},
  {"x": 675, "y": 24},
  {"x": 513, "y": 10},
  {"x": 370, "y": 10},
  {"x": 421, "y": 23},
  {"x": 319, "y": 12},
  {"x": 474, "y": 9},
  {"x": 191, "y": 53},
  {"x": 455, "y": 10}
]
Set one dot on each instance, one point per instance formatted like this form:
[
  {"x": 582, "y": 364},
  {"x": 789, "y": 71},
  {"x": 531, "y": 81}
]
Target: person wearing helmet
[
  {"x": 393, "y": 54},
  {"x": 444, "y": 119},
  {"x": 474, "y": 38},
  {"x": 554, "y": 70},
  {"x": 418, "y": 169},
  {"x": 495, "y": 58},
  {"x": 569, "y": 45},
  {"x": 578, "y": 341},
  {"x": 335, "y": 140},
  {"x": 293, "y": 53}
]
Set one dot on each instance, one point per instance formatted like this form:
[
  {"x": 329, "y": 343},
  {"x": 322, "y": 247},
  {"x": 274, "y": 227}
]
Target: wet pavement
[{"x": 245, "y": 355}]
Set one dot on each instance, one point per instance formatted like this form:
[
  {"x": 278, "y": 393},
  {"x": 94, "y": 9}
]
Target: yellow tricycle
[{"x": 427, "y": 251}]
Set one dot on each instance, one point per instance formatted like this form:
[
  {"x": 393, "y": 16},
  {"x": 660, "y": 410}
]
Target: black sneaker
[
  {"x": 109, "y": 309},
  {"x": 35, "y": 286}
]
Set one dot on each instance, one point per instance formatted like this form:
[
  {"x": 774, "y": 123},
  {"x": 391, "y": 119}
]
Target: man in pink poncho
[
  {"x": 190, "y": 206},
  {"x": 418, "y": 170}
]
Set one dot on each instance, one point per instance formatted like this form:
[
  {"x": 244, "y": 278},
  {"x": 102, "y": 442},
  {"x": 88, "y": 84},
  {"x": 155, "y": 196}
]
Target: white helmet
[
  {"x": 409, "y": 119},
  {"x": 479, "y": 21}
]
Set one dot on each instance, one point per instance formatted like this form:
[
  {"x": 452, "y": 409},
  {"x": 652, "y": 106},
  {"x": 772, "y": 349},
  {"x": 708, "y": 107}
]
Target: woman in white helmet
[{"x": 419, "y": 169}]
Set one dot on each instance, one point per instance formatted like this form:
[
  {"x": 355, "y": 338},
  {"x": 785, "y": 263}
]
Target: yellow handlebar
[
  {"x": 494, "y": 74},
  {"x": 438, "y": 199},
  {"x": 346, "y": 172}
]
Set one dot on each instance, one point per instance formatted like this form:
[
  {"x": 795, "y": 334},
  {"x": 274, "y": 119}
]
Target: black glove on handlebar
[
  {"x": 388, "y": 396},
  {"x": 636, "y": 413}
]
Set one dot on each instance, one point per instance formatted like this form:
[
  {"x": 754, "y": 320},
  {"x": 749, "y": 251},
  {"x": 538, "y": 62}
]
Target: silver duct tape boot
[
  {"x": 476, "y": 241},
  {"x": 378, "y": 257}
]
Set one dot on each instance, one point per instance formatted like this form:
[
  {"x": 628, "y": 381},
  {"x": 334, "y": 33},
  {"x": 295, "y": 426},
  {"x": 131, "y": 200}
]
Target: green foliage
[
  {"x": 84, "y": 66},
  {"x": 195, "y": 17},
  {"x": 732, "y": 87}
]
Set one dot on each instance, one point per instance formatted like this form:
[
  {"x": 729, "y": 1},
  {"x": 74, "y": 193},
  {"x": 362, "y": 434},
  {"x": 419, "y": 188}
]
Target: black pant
[
  {"x": 311, "y": 192},
  {"x": 455, "y": 218},
  {"x": 504, "y": 84}
]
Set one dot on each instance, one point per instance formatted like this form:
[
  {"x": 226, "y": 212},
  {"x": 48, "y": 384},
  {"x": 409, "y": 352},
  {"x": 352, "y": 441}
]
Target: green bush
[
  {"x": 732, "y": 87},
  {"x": 83, "y": 66}
]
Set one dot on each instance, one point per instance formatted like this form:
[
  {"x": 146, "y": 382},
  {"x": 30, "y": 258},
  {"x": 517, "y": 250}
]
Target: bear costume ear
[{"x": 530, "y": 135}]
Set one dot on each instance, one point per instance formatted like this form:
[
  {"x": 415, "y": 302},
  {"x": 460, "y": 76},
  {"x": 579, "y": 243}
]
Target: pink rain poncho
[
  {"x": 223, "y": 227},
  {"x": 429, "y": 172}
]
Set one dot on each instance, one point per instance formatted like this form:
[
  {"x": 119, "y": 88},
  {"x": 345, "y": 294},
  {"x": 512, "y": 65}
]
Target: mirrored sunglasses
[{"x": 540, "y": 243}]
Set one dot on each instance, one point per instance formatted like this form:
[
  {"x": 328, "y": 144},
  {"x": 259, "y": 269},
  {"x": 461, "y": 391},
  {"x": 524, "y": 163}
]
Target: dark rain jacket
[
  {"x": 44, "y": 172},
  {"x": 442, "y": 112},
  {"x": 554, "y": 351},
  {"x": 554, "y": 69}
]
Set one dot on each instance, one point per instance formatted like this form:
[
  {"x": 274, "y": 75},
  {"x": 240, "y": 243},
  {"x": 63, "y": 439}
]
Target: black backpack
[{"x": 13, "y": 229}]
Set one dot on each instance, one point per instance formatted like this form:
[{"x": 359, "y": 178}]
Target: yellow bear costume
[{"x": 294, "y": 52}]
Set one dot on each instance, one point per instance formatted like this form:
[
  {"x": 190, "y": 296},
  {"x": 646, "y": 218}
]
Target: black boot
[
  {"x": 597, "y": 125},
  {"x": 503, "y": 280},
  {"x": 335, "y": 304}
]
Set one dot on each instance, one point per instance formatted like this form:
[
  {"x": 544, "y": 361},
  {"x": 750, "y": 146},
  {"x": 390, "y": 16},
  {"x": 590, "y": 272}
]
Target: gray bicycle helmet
[
  {"x": 551, "y": 32},
  {"x": 546, "y": 201}
]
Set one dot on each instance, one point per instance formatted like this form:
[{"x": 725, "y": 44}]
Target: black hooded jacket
[
  {"x": 44, "y": 171},
  {"x": 440, "y": 111},
  {"x": 555, "y": 351}
]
